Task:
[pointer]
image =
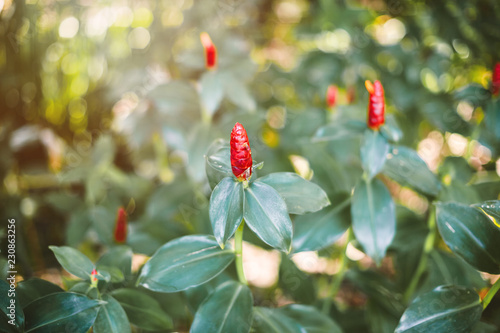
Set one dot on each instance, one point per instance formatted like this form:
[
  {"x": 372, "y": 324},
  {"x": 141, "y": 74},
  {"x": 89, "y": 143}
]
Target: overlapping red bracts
[
  {"x": 376, "y": 104},
  {"x": 495, "y": 80},
  {"x": 331, "y": 96},
  {"x": 241, "y": 155},
  {"x": 210, "y": 50},
  {"x": 121, "y": 226}
]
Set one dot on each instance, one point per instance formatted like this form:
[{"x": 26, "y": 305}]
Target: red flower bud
[
  {"x": 331, "y": 96},
  {"x": 376, "y": 104},
  {"x": 94, "y": 275},
  {"x": 210, "y": 51},
  {"x": 241, "y": 155},
  {"x": 495, "y": 80},
  {"x": 121, "y": 226}
]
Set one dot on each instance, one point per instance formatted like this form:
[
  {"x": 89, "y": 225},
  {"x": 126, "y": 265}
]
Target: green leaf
[
  {"x": 142, "y": 310},
  {"x": 300, "y": 195},
  {"x": 61, "y": 312},
  {"x": 390, "y": 130},
  {"x": 407, "y": 168},
  {"x": 119, "y": 257},
  {"x": 470, "y": 234},
  {"x": 110, "y": 273},
  {"x": 295, "y": 283},
  {"x": 321, "y": 229},
  {"x": 183, "y": 263},
  {"x": 29, "y": 290},
  {"x": 212, "y": 91},
  {"x": 218, "y": 162},
  {"x": 73, "y": 261},
  {"x": 226, "y": 208},
  {"x": 266, "y": 214},
  {"x": 492, "y": 209},
  {"x": 227, "y": 309},
  {"x": 373, "y": 217},
  {"x": 6, "y": 316},
  {"x": 238, "y": 93},
  {"x": 339, "y": 131},
  {"x": 446, "y": 309},
  {"x": 111, "y": 318},
  {"x": 310, "y": 319},
  {"x": 267, "y": 320},
  {"x": 492, "y": 118},
  {"x": 374, "y": 148}
]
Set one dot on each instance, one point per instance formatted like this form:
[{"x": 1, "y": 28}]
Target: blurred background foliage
[{"x": 107, "y": 104}]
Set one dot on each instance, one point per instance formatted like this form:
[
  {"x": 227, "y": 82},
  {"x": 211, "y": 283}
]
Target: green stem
[
  {"x": 489, "y": 296},
  {"x": 422, "y": 265},
  {"x": 337, "y": 279},
  {"x": 238, "y": 245}
]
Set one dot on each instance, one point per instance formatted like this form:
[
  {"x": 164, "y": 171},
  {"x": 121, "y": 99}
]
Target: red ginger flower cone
[
  {"x": 331, "y": 96},
  {"x": 376, "y": 104},
  {"x": 495, "y": 80},
  {"x": 210, "y": 51},
  {"x": 121, "y": 226},
  {"x": 241, "y": 155}
]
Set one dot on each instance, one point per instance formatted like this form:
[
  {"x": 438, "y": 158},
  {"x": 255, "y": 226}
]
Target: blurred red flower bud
[
  {"x": 121, "y": 226},
  {"x": 331, "y": 96},
  {"x": 210, "y": 51},
  {"x": 495, "y": 80},
  {"x": 376, "y": 104}
]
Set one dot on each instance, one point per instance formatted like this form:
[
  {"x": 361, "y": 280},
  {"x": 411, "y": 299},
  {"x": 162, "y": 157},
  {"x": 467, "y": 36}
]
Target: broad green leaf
[
  {"x": 459, "y": 192},
  {"x": 492, "y": 209},
  {"x": 492, "y": 118},
  {"x": 8, "y": 309},
  {"x": 111, "y": 317},
  {"x": 374, "y": 148},
  {"x": 110, "y": 273},
  {"x": 212, "y": 91},
  {"x": 226, "y": 208},
  {"x": 29, "y": 290},
  {"x": 238, "y": 93},
  {"x": 321, "y": 229},
  {"x": 73, "y": 261},
  {"x": 61, "y": 312},
  {"x": 267, "y": 320},
  {"x": 457, "y": 168},
  {"x": 227, "y": 309},
  {"x": 295, "y": 283},
  {"x": 407, "y": 168},
  {"x": 103, "y": 221},
  {"x": 310, "y": 319},
  {"x": 266, "y": 214},
  {"x": 373, "y": 217},
  {"x": 119, "y": 257},
  {"x": 218, "y": 162},
  {"x": 339, "y": 131},
  {"x": 77, "y": 227},
  {"x": 199, "y": 140},
  {"x": 142, "y": 310},
  {"x": 300, "y": 195},
  {"x": 390, "y": 130},
  {"x": 196, "y": 295},
  {"x": 470, "y": 234},
  {"x": 381, "y": 320},
  {"x": 183, "y": 263},
  {"x": 175, "y": 98},
  {"x": 446, "y": 309}
]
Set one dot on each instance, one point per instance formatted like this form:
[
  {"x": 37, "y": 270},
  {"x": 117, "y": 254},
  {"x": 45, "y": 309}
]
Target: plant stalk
[
  {"x": 491, "y": 293},
  {"x": 422, "y": 265},
  {"x": 238, "y": 249},
  {"x": 337, "y": 279}
]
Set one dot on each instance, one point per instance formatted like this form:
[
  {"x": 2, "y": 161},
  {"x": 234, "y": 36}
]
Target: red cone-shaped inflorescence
[
  {"x": 376, "y": 104},
  {"x": 241, "y": 155},
  {"x": 94, "y": 276},
  {"x": 331, "y": 96},
  {"x": 495, "y": 80},
  {"x": 121, "y": 226},
  {"x": 210, "y": 50}
]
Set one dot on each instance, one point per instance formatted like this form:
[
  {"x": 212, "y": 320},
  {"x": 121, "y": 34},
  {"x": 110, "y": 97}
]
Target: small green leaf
[
  {"x": 111, "y": 318},
  {"x": 226, "y": 208},
  {"x": 311, "y": 320},
  {"x": 373, "y": 217},
  {"x": 407, "y": 168},
  {"x": 340, "y": 131},
  {"x": 374, "y": 148},
  {"x": 267, "y": 320},
  {"x": 212, "y": 91},
  {"x": 61, "y": 312},
  {"x": 227, "y": 309},
  {"x": 110, "y": 273},
  {"x": 295, "y": 283},
  {"x": 321, "y": 229},
  {"x": 29, "y": 290},
  {"x": 238, "y": 93},
  {"x": 218, "y": 162},
  {"x": 183, "y": 263},
  {"x": 266, "y": 214},
  {"x": 300, "y": 195},
  {"x": 446, "y": 309},
  {"x": 470, "y": 234},
  {"x": 390, "y": 130},
  {"x": 73, "y": 261},
  {"x": 119, "y": 257},
  {"x": 6, "y": 304},
  {"x": 142, "y": 310}
]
